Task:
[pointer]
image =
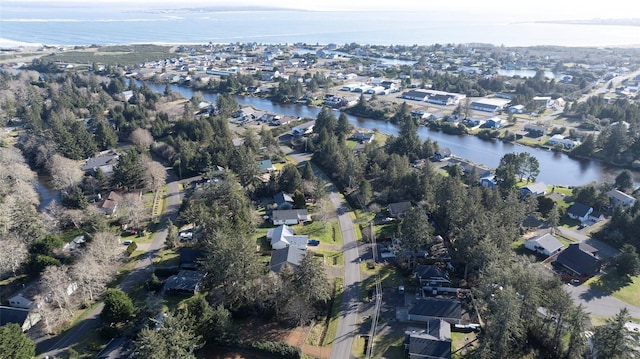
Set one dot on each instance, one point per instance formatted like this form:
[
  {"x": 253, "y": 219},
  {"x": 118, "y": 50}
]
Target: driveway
[{"x": 58, "y": 345}]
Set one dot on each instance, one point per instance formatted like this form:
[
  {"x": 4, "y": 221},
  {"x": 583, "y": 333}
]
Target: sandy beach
[{"x": 10, "y": 44}]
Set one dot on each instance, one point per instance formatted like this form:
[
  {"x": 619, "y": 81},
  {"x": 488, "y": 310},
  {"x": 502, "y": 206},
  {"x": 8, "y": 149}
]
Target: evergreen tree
[
  {"x": 127, "y": 174},
  {"x": 118, "y": 307},
  {"x": 612, "y": 340},
  {"x": 14, "y": 344}
]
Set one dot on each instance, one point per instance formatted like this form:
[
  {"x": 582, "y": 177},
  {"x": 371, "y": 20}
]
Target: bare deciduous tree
[
  {"x": 57, "y": 287},
  {"x": 155, "y": 175},
  {"x": 132, "y": 210},
  {"x": 13, "y": 253},
  {"x": 142, "y": 138},
  {"x": 65, "y": 173}
]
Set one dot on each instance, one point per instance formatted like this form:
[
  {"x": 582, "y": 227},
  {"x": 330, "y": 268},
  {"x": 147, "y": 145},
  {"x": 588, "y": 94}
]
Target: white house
[
  {"x": 546, "y": 244},
  {"x": 579, "y": 211},
  {"x": 619, "y": 198},
  {"x": 283, "y": 237},
  {"x": 20, "y": 301}
]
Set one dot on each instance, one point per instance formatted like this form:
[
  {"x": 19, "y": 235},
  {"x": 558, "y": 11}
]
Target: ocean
[{"x": 84, "y": 25}]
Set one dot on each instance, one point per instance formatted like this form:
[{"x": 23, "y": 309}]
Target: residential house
[
  {"x": 76, "y": 242},
  {"x": 426, "y": 309},
  {"x": 104, "y": 161},
  {"x": 186, "y": 282},
  {"x": 283, "y": 200},
  {"x": 269, "y": 75},
  {"x": 494, "y": 122},
  {"x": 364, "y": 137},
  {"x": 580, "y": 260},
  {"x": 289, "y": 216},
  {"x": 304, "y": 129},
  {"x": 469, "y": 168},
  {"x": 291, "y": 256},
  {"x": 398, "y": 209},
  {"x": 580, "y": 212},
  {"x": 110, "y": 204},
  {"x": 25, "y": 318},
  {"x": 266, "y": 166},
  {"x": 432, "y": 276},
  {"x": 284, "y": 236},
  {"x": 488, "y": 181},
  {"x": 541, "y": 101},
  {"x": 546, "y": 244},
  {"x": 516, "y": 109},
  {"x": 442, "y": 154},
  {"x": 432, "y": 341},
  {"x": 535, "y": 131},
  {"x": 562, "y": 140},
  {"x": 619, "y": 198},
  {"x": 22, "y": 302},
  {"x": 534, "y": 189}
]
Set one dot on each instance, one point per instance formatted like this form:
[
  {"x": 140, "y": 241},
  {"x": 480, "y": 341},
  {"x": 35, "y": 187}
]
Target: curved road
[
  {"x": 58, "y": 345},
  {"x": 341, "y": 348}
]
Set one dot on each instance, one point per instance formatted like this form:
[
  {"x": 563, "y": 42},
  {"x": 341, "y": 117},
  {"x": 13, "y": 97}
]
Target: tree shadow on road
[{"x": 606, "y": 284}]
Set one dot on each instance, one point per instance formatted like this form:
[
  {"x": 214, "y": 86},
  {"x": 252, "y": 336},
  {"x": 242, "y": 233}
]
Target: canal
[{"x": 555, "y": 168}]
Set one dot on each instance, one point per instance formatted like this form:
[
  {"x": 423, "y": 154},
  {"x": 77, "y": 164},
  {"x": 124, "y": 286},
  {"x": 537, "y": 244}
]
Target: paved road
[
  {"x": 597, "y": 302},
  {"x": 341, "y": 348},
  {"x": 58, "y": 345}
]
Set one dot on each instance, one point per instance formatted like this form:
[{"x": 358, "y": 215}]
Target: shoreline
[{"x": 8, "y": 44}]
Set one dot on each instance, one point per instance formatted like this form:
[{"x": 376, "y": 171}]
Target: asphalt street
[{"x": 58, "y": 345}]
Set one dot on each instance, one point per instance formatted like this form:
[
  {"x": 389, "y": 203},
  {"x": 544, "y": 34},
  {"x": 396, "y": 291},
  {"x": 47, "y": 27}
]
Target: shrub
[
  {"x": 132, "y": 248},
  {"x": 277, "y": 349}
]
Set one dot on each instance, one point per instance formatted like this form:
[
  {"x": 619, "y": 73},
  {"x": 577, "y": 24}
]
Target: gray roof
[
  {"x": 437, "y": 308},
  {"x": 430, "y": 271},
  {"x": 291, "y": 255},
  {"x": 399, "y": 208},
  {"x": 281, "y": 197},
  {"x": 579, "y": 209},
  {"x": 578, "y": 261},
  {"x": 434, "y": 341},
  {"x": 535, "y": 188},
  {"x": 285, "y": 214},
  {"x": 548, "y": 242},
  {"x": 101, "y": 161},
  {"x": 186, "y": 281},
  {"x": 13, "y": 315},
  {"x": 620, "y": 196}
]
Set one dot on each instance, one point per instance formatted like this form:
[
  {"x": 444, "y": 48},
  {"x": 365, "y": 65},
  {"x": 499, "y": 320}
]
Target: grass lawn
[
  {"x": 566, "y": 241},
  {"x": 566, "y": 191},
  {"x": 567, "y": 222},
  {"x": 167, "y": 258},
  {"x": 320, "y": 231},
  {"x": 388, "y": 347},
  {"x": 332, "y": 326},
  {"x": 459, "y": 340},
  {"x": 390, "y": 277},
  {"x": 332, "y": 258},
  {"x": 623, "y": 287}
]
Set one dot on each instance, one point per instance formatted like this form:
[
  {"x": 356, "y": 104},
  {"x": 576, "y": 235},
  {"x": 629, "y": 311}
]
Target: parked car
[
  {"x": 127, "y": 242},
  {"x": 314, "y": 242}
]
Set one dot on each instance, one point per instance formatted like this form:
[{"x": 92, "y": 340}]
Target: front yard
[{"x": 623, "y": 287}]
